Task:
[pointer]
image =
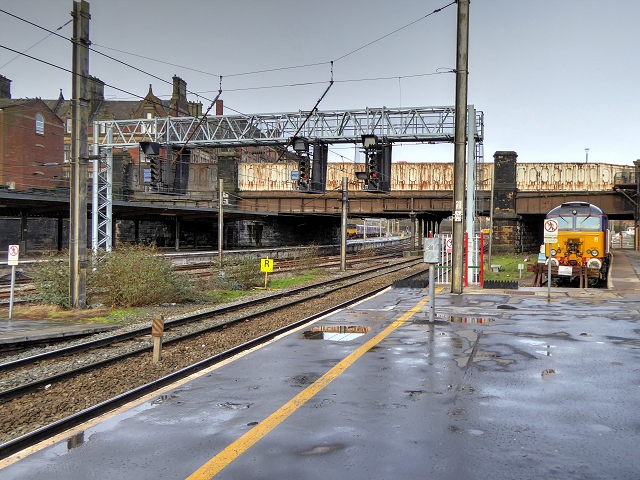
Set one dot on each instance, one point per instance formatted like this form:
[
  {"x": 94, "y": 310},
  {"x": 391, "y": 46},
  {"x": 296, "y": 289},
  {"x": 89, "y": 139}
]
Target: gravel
[{"x": 27, "y": 413}]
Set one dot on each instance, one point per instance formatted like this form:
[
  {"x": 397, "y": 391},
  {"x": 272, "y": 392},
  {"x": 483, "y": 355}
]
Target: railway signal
[
  {"x": 312, "y": 170},
  {"x": 151, "y": 150},
  {"x": 378, "y": 164}
]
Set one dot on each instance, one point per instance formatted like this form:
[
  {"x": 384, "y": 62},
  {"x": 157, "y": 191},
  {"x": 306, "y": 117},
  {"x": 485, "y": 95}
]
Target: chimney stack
[{"x": 5, "y": 87}]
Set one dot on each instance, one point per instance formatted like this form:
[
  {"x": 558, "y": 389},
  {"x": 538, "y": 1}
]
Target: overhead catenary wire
[{"x": 312, "y": 64}]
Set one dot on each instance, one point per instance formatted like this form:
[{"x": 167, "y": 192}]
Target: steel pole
[
  {"x": 79, "y": 150},
  {"x": 220, "y": 220},
  {"x": 471, "y": 186},
  {"x": 343, "y": 227},
  {"x": 432, "y": 292},
  {"x": 459, "y": 144}
]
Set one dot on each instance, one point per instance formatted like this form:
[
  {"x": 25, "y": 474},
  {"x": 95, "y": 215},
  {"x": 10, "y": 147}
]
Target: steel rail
[
  {"x": 9, "y": 394},
  {"x": 43, "y": 433},
  {"x": 174, "y": 323}
]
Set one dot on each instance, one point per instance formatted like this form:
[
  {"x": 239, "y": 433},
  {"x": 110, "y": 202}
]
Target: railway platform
[{"x": 503, "y": 385}]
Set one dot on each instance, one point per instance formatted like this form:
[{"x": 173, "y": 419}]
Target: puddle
[
  {"x": 466, "y": 319},
  {"x": 75, "y": 441},
  {"x": 336, "y": 334},
  {"x": 323, "y": 449}
]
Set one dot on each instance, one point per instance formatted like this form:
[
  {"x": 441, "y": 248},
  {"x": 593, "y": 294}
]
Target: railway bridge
[{"x": 264, "y": 206}]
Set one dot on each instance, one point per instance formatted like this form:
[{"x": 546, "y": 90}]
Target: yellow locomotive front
[{"x": 582, "y": 236}]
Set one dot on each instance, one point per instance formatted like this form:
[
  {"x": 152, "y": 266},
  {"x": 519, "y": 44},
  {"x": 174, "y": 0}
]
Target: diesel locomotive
[{"x": 583, "y": 241}]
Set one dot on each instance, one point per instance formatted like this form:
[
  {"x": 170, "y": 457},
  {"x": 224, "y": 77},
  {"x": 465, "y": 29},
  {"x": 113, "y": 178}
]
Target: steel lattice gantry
[
  {"x": 419, "y": 124},
  {"x": 423, "y": 124}
]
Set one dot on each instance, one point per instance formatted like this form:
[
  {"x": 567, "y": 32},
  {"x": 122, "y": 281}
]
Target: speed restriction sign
[{"x": 13, "y": 254}]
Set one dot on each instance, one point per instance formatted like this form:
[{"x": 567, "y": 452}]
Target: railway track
[{"x": 78, "y": 382}]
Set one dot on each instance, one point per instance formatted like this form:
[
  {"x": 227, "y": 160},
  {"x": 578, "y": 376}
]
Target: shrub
[
  {"x": 133, "y": 276},
  {"x": 129, "y": 276},
  {"x": 237, "y": 273},
  {"x": 51, "y": 279},
  {"x": 309, "y": 258}
]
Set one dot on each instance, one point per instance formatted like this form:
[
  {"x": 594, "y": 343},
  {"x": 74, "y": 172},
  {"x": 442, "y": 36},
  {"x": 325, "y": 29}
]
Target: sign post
[
  {"x": 550, "y": 237},
  {"x": 432, "y": 257},
  {"x": 12, "y": 259},
  {"x": 266, "y": 266}
]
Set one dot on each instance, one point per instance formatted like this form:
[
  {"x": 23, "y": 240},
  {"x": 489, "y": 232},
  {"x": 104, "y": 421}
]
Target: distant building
[{"x": 31, "y": 143}]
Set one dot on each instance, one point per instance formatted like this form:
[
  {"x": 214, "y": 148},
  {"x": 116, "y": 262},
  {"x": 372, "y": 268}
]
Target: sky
[{"x": 552, "y": 77}]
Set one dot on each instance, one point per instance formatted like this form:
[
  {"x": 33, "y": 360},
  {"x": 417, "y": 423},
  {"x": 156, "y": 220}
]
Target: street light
[{"x": 586, "y": 151}]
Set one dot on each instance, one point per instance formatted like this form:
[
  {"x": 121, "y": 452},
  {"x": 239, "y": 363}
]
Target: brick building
[{"x": 31, "y": 143}]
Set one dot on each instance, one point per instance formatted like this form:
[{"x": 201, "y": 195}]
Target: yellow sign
[{"x": 266, "y": 265}]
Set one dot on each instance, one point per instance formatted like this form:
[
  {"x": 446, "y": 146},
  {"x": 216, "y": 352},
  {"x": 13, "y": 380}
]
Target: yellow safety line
[{"x": 242, "y": 444}]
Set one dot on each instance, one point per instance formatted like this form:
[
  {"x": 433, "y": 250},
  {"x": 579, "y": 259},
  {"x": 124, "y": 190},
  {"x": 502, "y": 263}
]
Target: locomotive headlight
[
  {"x": 594, "y": 253},
  {"x": 553, "y": 252},
  {"x": 588, "y": 252}
]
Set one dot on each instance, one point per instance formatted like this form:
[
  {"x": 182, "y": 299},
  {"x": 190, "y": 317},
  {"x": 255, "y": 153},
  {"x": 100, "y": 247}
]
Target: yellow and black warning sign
[{"x": 266, "y": 265}]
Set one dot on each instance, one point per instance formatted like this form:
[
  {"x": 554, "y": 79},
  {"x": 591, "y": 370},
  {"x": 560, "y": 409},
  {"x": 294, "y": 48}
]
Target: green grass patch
[
  {"x": 509, "y": 265},
  {"x": 223, "y": 296},
  {"x": 289, "y": 281}
]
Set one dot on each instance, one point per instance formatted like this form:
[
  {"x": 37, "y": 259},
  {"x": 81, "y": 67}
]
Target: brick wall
[{"x": 25, "y": 152}]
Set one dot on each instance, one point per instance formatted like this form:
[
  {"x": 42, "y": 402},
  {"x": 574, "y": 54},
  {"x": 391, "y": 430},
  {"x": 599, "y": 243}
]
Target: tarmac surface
[{"x": 504, "y": 385}]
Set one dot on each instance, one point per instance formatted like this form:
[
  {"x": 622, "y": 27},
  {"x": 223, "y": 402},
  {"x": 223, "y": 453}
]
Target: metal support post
[
  {"x": 11, "y": 294},
  {"x": 412, "y": 216},
  {"x": 78, "y": 167},
  {"x": 343, "y": 226},
  {"x": 459, "y": 144},
  {"x": 471, "y": 186},
  {"x": 177, "y": 244},
  {"x": 432, "y": 292},
  {"x": 24, "y": 230},
  {"x": 637, "y": 212},
  {"x": 220, "y": 220}
]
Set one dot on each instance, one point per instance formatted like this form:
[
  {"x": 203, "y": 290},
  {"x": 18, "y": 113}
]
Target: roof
[
  {"x": 15, "y": 102},
  {"x": 576, "y": 208}
]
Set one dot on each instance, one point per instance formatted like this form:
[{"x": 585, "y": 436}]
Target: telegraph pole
[
  {"x": 79, "y": 151},
  {"x": 462, "y": 64}
]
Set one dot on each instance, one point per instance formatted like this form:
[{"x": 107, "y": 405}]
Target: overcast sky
[{"x": 553, "y": 77}]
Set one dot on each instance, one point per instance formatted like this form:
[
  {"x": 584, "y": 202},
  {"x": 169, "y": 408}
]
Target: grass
[
  {"x": 57, "y": 313},
  {"x": 509, "y": 269},
  {"x": 222, "y": 296},
  {"x": 289, "y": 281}
]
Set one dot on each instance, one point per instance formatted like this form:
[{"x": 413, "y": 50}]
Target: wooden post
[{"x": 157, "y": 330}]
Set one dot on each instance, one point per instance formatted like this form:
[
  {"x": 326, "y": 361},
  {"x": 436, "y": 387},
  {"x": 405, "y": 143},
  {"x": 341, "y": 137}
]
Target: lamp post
[{"x": 586, "y": 151}]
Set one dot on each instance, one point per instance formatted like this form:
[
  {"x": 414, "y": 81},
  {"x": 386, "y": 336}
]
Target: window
[
  {"x": 39, "y": 124},
  {"x": 69, "y": 124}
]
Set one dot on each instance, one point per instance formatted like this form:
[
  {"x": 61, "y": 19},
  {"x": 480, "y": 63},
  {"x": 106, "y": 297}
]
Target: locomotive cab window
[{"x": 589, "y": 223}]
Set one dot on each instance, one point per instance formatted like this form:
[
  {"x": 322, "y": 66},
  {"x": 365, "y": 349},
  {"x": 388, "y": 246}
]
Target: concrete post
[
  {"x": 79, "y": 150},
  {"x": 459, "y": 145}
]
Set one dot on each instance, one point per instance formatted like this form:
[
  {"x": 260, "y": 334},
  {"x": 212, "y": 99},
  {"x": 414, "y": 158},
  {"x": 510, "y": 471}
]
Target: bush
[
  {"x": 237, "y": 273},
  {"x": 309, "y": 258},
  {"x": 133, "y": 276},
  {"x": 51, "y": 279},
  {"x": 129, "y": 276}
]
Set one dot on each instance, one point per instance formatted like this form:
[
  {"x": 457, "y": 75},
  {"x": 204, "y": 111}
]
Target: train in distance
[{"x": 358, "y": 231}]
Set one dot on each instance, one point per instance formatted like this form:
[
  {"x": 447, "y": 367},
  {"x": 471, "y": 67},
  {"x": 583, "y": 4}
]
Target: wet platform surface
[{"x": 503, "y": 385}]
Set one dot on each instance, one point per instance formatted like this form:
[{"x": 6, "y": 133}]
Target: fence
[{"x": 473, "y": 259}]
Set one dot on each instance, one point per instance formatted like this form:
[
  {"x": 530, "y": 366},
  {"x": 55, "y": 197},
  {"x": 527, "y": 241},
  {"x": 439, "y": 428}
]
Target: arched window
[{"x": 39, "y": 124}]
